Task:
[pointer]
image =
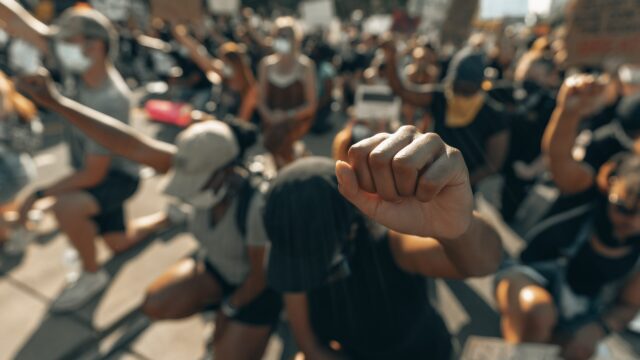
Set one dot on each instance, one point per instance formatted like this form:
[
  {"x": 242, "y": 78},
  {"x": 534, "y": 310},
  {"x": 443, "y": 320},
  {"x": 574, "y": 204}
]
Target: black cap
[
  {"x": 628, "y": 113},
  {"x": 467, "y": 67},
  {"x": 307, "y": 221}
]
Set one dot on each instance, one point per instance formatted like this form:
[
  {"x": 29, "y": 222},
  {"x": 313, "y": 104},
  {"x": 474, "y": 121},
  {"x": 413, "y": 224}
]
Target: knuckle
[
  {"x": 408, "y": 129},
  {"x": 402, "y": 165},
  {"x": 379, "y": 159}
]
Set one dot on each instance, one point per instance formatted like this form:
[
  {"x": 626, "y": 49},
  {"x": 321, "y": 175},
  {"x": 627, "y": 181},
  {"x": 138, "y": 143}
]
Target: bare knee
[
  {"x": 156, "y": 306},
  {"x": 539, "y": 314}
]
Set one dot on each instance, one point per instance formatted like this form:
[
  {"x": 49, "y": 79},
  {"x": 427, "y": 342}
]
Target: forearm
[
  {"x": 199, "y": 54},
  {"x": 416, "y": 96},
  {"x": 559, "y": 138},
  {"x": 20, "y": 23},
  {"x": 478, "y": 252},
  {"x": 117, "y": 137}
]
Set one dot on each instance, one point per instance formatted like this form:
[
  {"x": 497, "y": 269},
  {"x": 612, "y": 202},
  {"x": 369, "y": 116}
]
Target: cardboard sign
[
  {"x": 457, "y": 26},
  {"x": 484, "y": 348},
  {"x": 317, "y": 13},
  {"x": 179, "y": 11},
  {"x": 224, "y": 7},
  {"x": 377, "y": 102},
  {"x": 602, "y": 30}
]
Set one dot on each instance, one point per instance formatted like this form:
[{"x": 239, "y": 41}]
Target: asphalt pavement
[{"x": 112, "y": 327}]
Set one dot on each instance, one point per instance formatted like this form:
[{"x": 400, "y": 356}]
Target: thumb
[{"x": 349, "y": 188}]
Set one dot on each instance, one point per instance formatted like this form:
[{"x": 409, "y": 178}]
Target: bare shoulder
[{"x": 306, "y": 62}]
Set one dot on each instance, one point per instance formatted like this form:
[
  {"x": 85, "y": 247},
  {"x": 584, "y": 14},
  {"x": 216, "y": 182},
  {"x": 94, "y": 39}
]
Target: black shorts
[
  {"x": 111, "y": 194},
  {"x": 263, "y": 310}
]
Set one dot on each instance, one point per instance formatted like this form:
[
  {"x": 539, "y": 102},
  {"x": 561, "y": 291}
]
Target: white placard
[
  {"x": 635, "y": 324},
  {"x": 485, "y": 348},
  {"x": 115, "y": 10},
  {"x": 317, "y": 13},
  {"x": 377, "y": 102},
  {"x": 224, "y": 7},
  {"x": 498, "y": 9},
  {"x": 378, "y": 24}
]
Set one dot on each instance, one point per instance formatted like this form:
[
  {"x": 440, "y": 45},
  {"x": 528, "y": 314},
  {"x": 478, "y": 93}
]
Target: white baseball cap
[{"x": 203, "y": 148}]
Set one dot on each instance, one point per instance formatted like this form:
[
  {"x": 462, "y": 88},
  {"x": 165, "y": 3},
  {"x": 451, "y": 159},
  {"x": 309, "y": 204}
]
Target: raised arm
[
  {"x": 417, "y": 95},
  {"x": 197, "y": 52},
  {"x": 110, "y": 133},
  {"x": 18, "y": 22},
  {"x": 576, "y": 100},
  {"x": 415, "y": 184}
]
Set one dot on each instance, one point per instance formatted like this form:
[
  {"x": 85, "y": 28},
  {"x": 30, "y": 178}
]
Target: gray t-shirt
[
  {"x": 113, "y": 98},
  {"x": 225, "y": 247}
]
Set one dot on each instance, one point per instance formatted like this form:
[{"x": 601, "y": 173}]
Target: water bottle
[{"x": 71, "y": 261}]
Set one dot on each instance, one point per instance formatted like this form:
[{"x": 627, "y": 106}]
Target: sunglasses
[{"x": 622, "y": 208}]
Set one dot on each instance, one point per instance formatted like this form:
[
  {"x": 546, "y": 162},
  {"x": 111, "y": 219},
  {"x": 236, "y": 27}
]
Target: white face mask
[
  {"x": 227, "y": 71},
  {"x": 72, "y": 57},
  {"x": 282, "y": 46},
  {"x": 208, "y": 199}
]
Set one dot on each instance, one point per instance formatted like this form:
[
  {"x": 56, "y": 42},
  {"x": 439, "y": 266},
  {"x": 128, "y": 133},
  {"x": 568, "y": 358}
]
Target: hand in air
[
  {"x": 39, "y": 88},
  {"x": 410, "y": 182},
  {"x": 582, "y": 95}
]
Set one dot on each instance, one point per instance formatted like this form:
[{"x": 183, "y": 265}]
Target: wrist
[{"x": 228, "y": 309}]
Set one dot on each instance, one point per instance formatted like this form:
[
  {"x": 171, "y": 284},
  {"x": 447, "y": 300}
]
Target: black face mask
[{"x": 604, "y": 228}]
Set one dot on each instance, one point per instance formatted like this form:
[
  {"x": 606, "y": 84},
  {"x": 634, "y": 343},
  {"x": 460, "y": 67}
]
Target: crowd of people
[{"x": 341, "y": 248}]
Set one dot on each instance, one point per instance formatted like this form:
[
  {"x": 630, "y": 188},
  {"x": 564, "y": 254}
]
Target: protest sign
[
  {"x": 115, "y": 10},
  {"x": 378, "y": 24},
  {"x": 603, "y": 29},
  {"x": 224, "y": 7},
  {"x": 317, "y": 13},
  {"x": 499, "y": 9},
  {"x": 484, "y": 348},
  {"x": 376, "y": 102},
  {"x": 178, "y": 11},
  {"x": 458, "y": 23}
]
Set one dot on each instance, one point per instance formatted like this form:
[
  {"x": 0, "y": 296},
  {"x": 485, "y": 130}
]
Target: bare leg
[
  {"x": 143, "y": 227},
  {"x": 183, "y": 290},
  {"x": 527, "y": 310},
  {"x": 242, "y": 342},
  {"x": 74, "y": 212}
]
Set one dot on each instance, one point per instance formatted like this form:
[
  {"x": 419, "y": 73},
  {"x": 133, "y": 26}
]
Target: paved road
[{"x": 111, "y": 326}]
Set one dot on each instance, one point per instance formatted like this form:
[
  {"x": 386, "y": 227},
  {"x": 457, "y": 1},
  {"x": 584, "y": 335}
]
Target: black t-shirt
[
  {"x": 472, "y": 139},
  {"x": 529, "y": 112},
  {"x": 379, "y": 311},
  {"x": 600, "y": 146}
]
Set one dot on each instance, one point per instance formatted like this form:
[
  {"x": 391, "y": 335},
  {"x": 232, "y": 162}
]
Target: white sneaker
[
  {"x": 80, "y": 292},
  {"x": 18, "y": 241},
  {"x": 635, "y": 324}
]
